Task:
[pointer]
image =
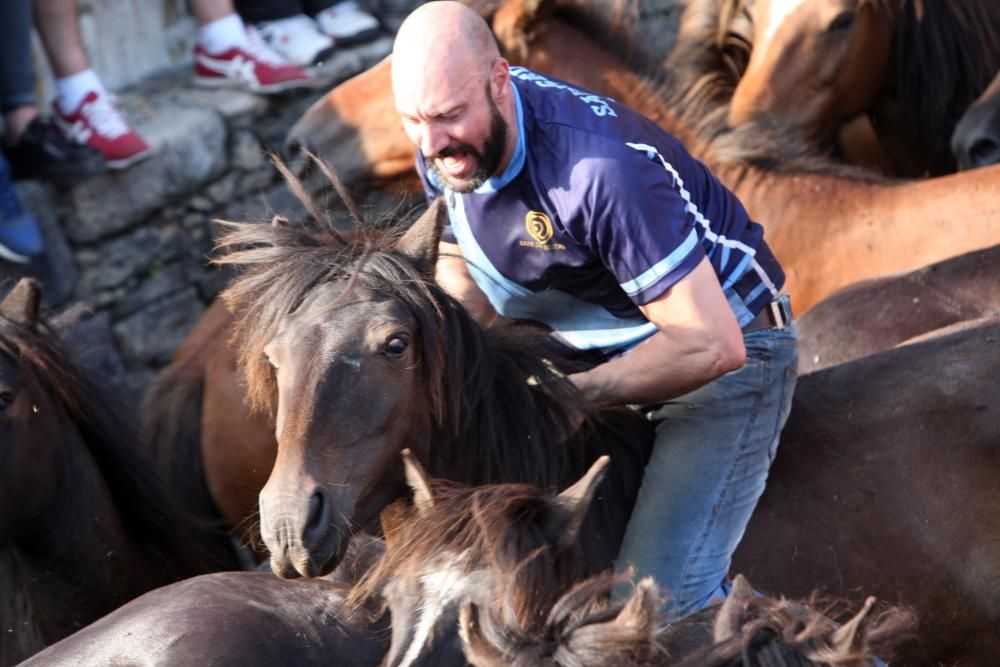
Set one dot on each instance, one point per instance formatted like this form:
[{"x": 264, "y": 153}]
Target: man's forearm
[{"x": 660, "y": 368}]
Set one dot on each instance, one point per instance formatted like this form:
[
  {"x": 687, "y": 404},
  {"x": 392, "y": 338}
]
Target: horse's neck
[{"x": 80, "y": 564}]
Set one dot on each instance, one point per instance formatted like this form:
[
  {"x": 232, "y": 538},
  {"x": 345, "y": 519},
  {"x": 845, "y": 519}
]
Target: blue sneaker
[{"x": 20, "y": 237}]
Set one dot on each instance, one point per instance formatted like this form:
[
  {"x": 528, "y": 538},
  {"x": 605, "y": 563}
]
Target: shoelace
[
  {"x": 102, "y": 115},
  {"x": 259, "y": 49}
]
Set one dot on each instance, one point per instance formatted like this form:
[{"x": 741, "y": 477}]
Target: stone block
[
  {"x": 190, "y": 151},
  {"x": 113, "y": 263},
  {"x": 150, "y": 336},
  {"x": 94, "y": 348}
]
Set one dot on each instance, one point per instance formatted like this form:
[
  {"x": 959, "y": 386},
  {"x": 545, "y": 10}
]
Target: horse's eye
[
  {"x": 841, "y": 21},
  {"x": 396, "y": 346},
  {"x": 6, "y": 399},
  {"x": 269, "y": 361}
]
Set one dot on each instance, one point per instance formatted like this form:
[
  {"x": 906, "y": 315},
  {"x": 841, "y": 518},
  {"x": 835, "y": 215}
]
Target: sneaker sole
[
  {"x": 127, "y": 162},
  {"x": 359, "y": 38},
  {"x": 222, "y": 82}
]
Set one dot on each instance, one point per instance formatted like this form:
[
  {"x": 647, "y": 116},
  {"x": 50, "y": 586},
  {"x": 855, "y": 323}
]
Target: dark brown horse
[
  {"x": 359, "y": 354},
  {"x": 887, "y": 481},
  {"x": 875, "y": 315},
  {"x": 501, "y": 566},
  {"x": 976, "y": 140},
  {"x": 84, "y": 525},
  {"x": 907, "y": 68},
  {"x": 231, "y": 618},
  {"x": 352, "y": 343}
]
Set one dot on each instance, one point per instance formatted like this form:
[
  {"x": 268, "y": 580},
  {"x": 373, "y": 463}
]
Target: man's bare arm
[
  {"x": 699, "y": 340},
  {"x": 452, "y": 273}
]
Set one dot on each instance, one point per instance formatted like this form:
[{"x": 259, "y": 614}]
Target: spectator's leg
[
  {"x": 285, "y": 27},
  {"x": 17, "y": 78},
  {"x": 83, "y": 108},
  {"x": 229, "y": 54}
]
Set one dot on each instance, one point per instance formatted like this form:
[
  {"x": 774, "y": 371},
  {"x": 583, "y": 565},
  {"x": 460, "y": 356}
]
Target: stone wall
[{"x": 131, "y": 247}]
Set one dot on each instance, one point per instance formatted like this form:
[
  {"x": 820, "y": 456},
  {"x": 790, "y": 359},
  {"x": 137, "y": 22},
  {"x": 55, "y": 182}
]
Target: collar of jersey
[{"x": 494, "y": 183}]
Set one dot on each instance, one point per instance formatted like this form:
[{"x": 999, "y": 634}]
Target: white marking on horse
[
  {"x": 779, "y": 10},
  {"x": 439, "y": 587}
]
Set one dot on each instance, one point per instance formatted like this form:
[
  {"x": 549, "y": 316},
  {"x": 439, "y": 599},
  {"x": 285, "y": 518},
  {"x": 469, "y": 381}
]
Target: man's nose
[{"x": 432, "y": 140}]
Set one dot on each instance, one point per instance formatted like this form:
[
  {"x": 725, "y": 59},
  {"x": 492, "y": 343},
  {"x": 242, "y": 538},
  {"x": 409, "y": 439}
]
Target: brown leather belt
[{"x": 775, "y": 315}]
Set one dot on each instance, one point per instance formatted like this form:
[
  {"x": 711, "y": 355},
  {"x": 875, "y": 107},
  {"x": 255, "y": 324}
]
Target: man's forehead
[{"x": 434, "y": 88}]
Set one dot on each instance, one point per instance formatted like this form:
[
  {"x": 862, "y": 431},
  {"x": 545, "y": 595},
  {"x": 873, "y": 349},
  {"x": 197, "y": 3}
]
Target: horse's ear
[
  {"x": 850, "y": 637},
  {"x": 420, "y": 242},
  {"x": 575, "y": 501},
  {"x": 419, "y": 481},
  {"x": 21, "y": 303},
  {"x": 729, "y": 620}
]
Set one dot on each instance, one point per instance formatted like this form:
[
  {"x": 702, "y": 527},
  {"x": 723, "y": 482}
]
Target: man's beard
[{"x": 487, "y": 162}]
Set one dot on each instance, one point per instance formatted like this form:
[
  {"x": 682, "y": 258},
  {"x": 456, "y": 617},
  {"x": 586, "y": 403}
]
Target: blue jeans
[
  {"x": 707, "y": 471},
  {"x": 17, "y": 78}
]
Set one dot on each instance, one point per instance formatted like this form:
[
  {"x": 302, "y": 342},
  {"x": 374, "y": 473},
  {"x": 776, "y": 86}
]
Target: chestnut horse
[
  {"x": 827, "y": 226},
  {"x": 353, "y": 343},
  {"x": 910, "y": 67},
  {"x": 976, "y": 141},
  {"x": 84, "y": 524},
  {"x": 875, "y": 315},
  {"x": 501, "y": 567}
]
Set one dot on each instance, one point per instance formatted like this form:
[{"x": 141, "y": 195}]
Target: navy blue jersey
[{"x": 600, "y": 210}]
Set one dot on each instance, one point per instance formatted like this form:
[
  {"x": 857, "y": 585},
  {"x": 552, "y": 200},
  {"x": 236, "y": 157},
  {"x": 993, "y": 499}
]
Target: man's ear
[
  {"x": 499, "y": 78},
  {"x": 420, "y": 242}
]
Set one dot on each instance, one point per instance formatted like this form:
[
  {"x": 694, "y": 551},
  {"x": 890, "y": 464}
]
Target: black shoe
[{"x": 44, "y": 153}]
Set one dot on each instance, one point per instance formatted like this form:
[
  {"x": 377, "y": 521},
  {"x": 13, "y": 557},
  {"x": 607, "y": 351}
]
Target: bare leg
[
  {"x": 59, "y": 28},
  {"x": 206, "y": 11}
]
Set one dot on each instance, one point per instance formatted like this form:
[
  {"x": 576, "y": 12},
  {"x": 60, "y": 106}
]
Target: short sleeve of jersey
[
  {"x": 432, "y": 192},
  {"x": 640, "y": 224}
]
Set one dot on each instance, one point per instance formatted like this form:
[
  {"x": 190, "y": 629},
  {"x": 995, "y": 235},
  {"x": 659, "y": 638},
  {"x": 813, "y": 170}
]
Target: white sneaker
[
  {"x": 347, "y": 23},
  {"x": 297, "y": 39}
]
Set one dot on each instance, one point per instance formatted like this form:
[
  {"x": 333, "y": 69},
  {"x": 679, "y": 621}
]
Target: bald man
[{"x": 569, "y": 209}]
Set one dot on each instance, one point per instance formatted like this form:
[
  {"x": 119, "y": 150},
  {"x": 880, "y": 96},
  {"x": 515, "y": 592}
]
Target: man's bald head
[
  {"x": 453, "y": 94},
  {"x": 443, "y": 39}
]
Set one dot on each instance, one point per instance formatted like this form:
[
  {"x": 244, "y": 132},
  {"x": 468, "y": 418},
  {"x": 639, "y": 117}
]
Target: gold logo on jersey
[{"x": 539, "y": 226}]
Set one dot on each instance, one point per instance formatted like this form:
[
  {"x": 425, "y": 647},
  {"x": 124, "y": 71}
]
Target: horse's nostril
[
  {"x": 319, "y": 516},
  {"x": 984, "y": 151}
]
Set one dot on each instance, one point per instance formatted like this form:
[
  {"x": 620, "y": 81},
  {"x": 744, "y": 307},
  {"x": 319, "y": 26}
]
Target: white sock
[
  {"x": 70, "y": 90},
  {"x": 222, "y": 34}
]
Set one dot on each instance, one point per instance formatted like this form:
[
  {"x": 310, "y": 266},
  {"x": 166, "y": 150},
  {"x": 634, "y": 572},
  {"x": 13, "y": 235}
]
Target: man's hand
[{"x": 699, "y": 340}]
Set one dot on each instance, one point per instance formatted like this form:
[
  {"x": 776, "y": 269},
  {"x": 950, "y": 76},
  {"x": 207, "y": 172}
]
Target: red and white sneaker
[
  {"x": 98, "y": 123},
  {"x": 253, "y": 66}
]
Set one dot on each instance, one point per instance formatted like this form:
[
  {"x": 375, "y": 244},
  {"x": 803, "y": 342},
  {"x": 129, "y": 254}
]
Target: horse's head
[
  {"x": 460, "y": 548},
  {"x": 356, "y": 127},
  {"x": 26, "y": 455},
  {"x": 334, "y": 341},
  {"x": 976, "y": 140},
  {"x": 814, "y": 63}
]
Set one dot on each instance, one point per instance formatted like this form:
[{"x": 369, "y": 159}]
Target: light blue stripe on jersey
[
  {"x": 663, "y": 267},
  {"x": 578, "y": 323}
]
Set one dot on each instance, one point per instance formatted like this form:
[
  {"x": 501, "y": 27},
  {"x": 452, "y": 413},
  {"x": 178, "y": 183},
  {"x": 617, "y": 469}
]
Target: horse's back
[
  {"x": 229, "y": 618},
  {"x": 874, "y": 315},
  {"x": 887, "y": 483}
]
